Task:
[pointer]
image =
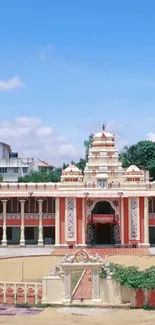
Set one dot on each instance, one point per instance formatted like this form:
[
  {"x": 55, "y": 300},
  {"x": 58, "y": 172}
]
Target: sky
[{"x": 67, "y": 67}]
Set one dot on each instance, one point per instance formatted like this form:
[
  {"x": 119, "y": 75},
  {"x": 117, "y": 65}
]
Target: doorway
[{"x": 103, "y": 234}]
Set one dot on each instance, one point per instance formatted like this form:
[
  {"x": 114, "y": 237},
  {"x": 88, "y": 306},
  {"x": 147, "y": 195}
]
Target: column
[
  {"x": 57, "y": 221},
  {"x": 122, "y": 221},
  {"x": 134, "y": 221},
  {"x": 22, "y": 228},
  {"x": 96, "y": 284},
  {"x": 40, "y": 237},
  {"x": 83, "y": 222},
  {"x": 70, "y": 221},
  {"x": 4, "y": 239},
  {"x": 146, "y": 222},
  {"x": 67, "y": 281}
]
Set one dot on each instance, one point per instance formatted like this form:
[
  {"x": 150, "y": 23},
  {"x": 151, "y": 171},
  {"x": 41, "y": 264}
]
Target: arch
[
  {"x": 103, "y": 207},
  {"x": 1, "y": 295},
  {"x": 9, "y": 296},
  {"x": 31, "y": 296},
  {"x": 116, "y": 225},
  {"x": 114, "y": 203},
  {"x": 20, "y": 296}
]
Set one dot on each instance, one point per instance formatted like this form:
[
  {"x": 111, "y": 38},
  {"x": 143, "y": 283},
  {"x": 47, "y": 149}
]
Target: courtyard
[{"x": 84, "y": 316}]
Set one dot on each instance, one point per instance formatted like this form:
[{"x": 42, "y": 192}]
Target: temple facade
[{"x": 107, "y": 205}]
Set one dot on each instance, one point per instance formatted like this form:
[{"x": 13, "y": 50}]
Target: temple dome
[
  {"x": 71, "y": 173},
  {"x": 132, "y": 168},
  {"x": 134, "y": 171},
  {"x": 103, "y": 133}
]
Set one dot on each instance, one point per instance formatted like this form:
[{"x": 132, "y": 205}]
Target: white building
[{"x": 12, "y": 166}]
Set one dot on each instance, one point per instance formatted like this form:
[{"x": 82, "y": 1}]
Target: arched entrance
[{"x": 101, "y": 226}]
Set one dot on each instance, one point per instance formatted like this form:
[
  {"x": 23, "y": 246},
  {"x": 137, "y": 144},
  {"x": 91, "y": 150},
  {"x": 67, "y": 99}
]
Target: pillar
[
  {"x": 67, "y": 280},
  {"x": 122, "y": 221},
  {"x": 83, "y": 222},
  {"x": 96, "y": 285},
  {"x": 57, "y": 221},
  {"x": 40, "y": 235},
  {"x": 22, "y": 228},
  {"x": 134, "y": 221},
  {"x": 146, "y": 222},
  {"x": 4, "y": 239},
  {"x": 70, "y": 221}
]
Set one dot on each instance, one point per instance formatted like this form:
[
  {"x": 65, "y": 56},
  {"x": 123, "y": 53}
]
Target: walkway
[
  {"x": 103, "y": 251},
  {"x": 84, "y": 289},
  {"x": 22, "y": 252}
]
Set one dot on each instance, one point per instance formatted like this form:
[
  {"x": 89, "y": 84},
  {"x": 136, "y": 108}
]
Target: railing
[
  {"x": 28, "y": 216},
  {"x": 20, "y": 293}
]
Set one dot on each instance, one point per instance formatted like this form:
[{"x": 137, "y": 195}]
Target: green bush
[{"x": 133, "y": 278}]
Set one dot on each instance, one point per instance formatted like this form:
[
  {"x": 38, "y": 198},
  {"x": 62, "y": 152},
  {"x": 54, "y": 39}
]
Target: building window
[
  {"x": 15, "y": 170},
  {"x": 25, "y": 169},
  {"x": 3, "y": 170},
  {"x": 102, "y": 183}
]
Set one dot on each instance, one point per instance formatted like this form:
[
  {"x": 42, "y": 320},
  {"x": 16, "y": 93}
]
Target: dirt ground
[
  {"x": 142, "y": 262},
  {"x": 34, "y": 268},
  {"x": 26, "y": 268},
  {"x": 115, "y": 317}
]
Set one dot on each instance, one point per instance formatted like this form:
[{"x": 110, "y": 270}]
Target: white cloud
[
  {"x": 44, "y": 53},
  {"x": 6, "y": 85},
  {"x": 151, "y": 136},
  {"x": 31, "y": 138}
]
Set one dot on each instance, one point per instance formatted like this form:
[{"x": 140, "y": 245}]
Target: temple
[{"x": 107, "y": 205}]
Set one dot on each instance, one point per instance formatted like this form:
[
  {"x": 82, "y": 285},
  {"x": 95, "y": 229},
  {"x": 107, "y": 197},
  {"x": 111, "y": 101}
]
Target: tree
[
  {"x": 88, "y": 144},
  {"x": 1, "y": 178},
  {"x": 141, "y": 154},
  {"x": 41, "y": 177}
]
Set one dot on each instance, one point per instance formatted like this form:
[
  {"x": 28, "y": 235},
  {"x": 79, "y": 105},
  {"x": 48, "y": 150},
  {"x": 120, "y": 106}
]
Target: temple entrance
[
  {"x": 101, "y": 225},
  {"x": 103, "y": 234}
]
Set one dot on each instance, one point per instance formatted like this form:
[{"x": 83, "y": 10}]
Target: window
[
  {"x": 15, "y": 170},
  {"x": 25, "y": 169},
  {"x": 102, "y": 183},
  {"x": 3, "y": 170}
]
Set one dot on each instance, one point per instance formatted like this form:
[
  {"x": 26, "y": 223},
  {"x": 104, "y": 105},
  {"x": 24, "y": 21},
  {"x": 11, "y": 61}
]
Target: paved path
[
  {"x": 104, "y": 251},
  {"x": 84, "y": 289},
  {"x": 22, "y": 252}
]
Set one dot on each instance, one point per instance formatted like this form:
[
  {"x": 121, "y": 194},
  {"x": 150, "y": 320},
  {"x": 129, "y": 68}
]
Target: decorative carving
[
  {"x": 70, "y": 217},
  {"x": 67, "y": 284},
  {"x": 134, "y": 220},
  {"x": 116, "y": 203},
  {"x": 90, "y": 233},
  {"x": 95, "y": 284},
  {"x": 89, "y": 203},
  {"x": 116, "y": 232},
  {"x": 81, "y": 256}
]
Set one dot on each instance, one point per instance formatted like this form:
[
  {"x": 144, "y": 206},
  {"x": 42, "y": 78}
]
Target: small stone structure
[{"x": 57, "y": 285}]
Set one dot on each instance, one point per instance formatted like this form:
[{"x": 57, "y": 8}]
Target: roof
[
  {"x": 44, "y": 163},
  {"x": 103, "y": 133},
  {"x": 7, "y": 146}
]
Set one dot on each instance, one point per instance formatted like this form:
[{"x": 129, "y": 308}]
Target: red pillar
[
  {"x": 126, "y": 220},
  {"x": 141, "y": 214},
  {"x": 62, "y": 220},
  {"x": 79, "y": 220}
]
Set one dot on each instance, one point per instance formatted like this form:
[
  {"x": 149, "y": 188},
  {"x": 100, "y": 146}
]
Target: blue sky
[{"x": 68, "y": 66}]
